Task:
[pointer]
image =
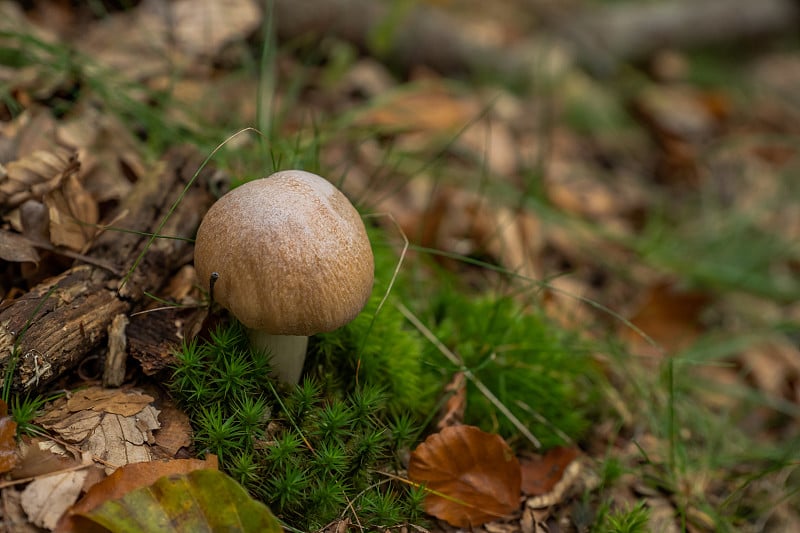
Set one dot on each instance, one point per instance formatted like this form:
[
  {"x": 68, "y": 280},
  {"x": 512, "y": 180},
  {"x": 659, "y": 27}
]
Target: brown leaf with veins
[{"x": 471, "y": 476}]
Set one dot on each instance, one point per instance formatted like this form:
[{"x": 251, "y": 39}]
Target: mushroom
[{"x": 288, "y": 256}]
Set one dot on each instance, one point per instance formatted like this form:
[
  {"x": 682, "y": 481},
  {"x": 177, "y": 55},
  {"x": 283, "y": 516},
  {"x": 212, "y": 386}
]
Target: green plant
[
  {"x": 25, "y": 410},
  {"x": 540, "y": 372},
  {"x": 307, "y": 452},
  {"x": 629, "y": 520}
]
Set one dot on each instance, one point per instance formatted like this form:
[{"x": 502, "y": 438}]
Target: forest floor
[{"x": 651, "y": 215}]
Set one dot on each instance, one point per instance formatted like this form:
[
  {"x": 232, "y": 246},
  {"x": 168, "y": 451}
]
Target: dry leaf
[
  {"x": 38, "y": 458},
  {"x": 774, "y": 367},
  {"x": 429, "y": 108},
  {"x": 175, "y": 432},
  {"x": 670, "y": 316},
  {"x": 126, "y": 479},
  {"x": 472, "y": 476},
  {"x": 16, "y": 248},
  {"x": 72, "y": 212},
  {"x": 116, "y": 401},
  {"x": 114, "y": 425},
  {"x": 35, "y": 175},
  {"x": 8, "y": 443},
  {"x": 540, "y": 475},
  {"x": 14, "y": 518},
  {"x": 204, "y": 27},
  {"x": 46, "y": 498},
  {"x": 452, "y": 413}
]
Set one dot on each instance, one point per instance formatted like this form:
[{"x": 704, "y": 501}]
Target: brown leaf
[
  {"x": 8, "y": 444},
  {"x": 116, "y": 401},
  {"x": 670, "y": 316},
  {"x": 472, "y": 476},
  {"x": 175, "y": 432},
  {"x": 16, "y": 248},
  {"x": 126, "y": 479},
  {"x": 72, "y": 210},
  {"x": 46, "y": 498},
  {"x": 40, "y": 460},
  {"x": 540, "y": 475},
  {"x": 429, "y": 107},
  {"x": 452, "y": 414},
  {"x": 35, "y": 175}
]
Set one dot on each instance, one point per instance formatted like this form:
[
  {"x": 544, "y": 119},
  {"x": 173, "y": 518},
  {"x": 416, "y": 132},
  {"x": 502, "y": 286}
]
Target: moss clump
[
  {"x": 537, "y": 370},
  {"x": 309, "y": 453}
]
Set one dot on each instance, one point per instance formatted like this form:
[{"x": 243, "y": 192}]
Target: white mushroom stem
[{"x": 287, "y": 353}]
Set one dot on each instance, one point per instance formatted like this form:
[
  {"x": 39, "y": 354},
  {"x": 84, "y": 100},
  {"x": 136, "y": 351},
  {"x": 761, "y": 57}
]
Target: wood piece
[
  {"x": 114, "y": 369},
  {"x": 58, "y": 323},
  {"x": 154, "y": 336}
]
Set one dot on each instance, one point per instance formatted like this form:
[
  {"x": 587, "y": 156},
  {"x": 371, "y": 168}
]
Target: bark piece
[
  {"x": 114, "y": 370},
  {"x": 53, "y": 327}
]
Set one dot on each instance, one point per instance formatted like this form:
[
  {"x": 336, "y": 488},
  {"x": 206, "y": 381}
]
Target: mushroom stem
[{"x": 287, "y": 353}]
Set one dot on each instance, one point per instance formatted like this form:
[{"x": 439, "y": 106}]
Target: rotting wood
[
  {"x": 68, "y": 315},
  {"x": 114, "y": 368}
]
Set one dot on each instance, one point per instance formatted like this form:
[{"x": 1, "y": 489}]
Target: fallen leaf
[
  {"x": 16, "y": 248},
  {"x": 113, "y": 424},
  {"x": 46, "y": 498},
  {"x": 472, "y": 476},
  {"x": 175, "y": 432},
  {"x": 116, "y": 401},
  {"x": 126, "y": 479},
  {"x": 540, "y": 475},
  {"x": 13, "y": 514},
  {"x": 202, "y": 500},
  {"x": 452, "y": 414},
  {"x": 670, "y": 316},
  {"x": 72, "y": 212},
  {"x": 35, "y": 175},
  {"x": 8, "y": 443},
  {"x": 204, "y": 27},
  {"x": 38, "y": 459},
  {"x": 429, "y": 107}
]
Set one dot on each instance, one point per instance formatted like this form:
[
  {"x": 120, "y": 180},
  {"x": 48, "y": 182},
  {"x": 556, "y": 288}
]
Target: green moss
[
  {"x": 306, "y": 452},
  {"x": 536, "y": 369}
]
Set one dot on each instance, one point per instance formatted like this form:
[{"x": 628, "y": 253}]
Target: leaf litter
[{"x": 458, "y": 218}]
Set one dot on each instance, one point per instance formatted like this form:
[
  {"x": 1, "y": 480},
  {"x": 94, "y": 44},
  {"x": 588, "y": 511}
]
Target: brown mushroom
[{"x": 290, "y": 257}]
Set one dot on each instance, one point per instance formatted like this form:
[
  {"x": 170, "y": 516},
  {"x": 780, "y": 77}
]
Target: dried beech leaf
[
  {"x": 46, "y": 498},
  {"x": 670, "y": 316},
  {"x": 110, "y": 423},
  {"x": 473, "y": 476},
  {"x": 540, "y": 475},
  {"x": 8, "y": 444},
  {"x": 72, "y": 209},
  {"x": 16, "y": 248},
  {"x": 35, "y": 175},
  {"x": 204, "y": 27},
  {"x": 118, "y": 402},
  {"x": 203, "y": 500}
]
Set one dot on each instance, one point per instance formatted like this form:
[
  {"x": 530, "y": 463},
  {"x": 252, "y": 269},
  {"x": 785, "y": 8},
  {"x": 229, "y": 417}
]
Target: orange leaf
[
  {"x": 540, "y": 475},
  {"x": 472, "y": 476},
  {"x": 124, "y": 480},
  {"x": 8, "y": 444}
]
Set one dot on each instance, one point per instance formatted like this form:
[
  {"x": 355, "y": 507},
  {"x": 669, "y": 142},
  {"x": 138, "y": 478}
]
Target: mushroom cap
[{"x": 291, "y": 252}]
